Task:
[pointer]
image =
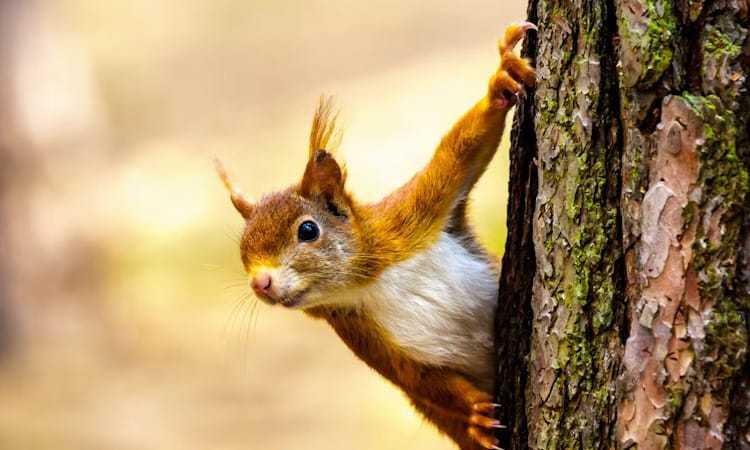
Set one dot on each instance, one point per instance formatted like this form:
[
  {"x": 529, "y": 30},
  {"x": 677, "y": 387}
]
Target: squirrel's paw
[
  {"x": 507, "y": 85},
  {"x": 482, "y": 425}
]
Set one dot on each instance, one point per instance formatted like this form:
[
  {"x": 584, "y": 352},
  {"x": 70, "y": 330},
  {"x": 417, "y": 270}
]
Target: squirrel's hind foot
[{"x": 482, "y": 425}]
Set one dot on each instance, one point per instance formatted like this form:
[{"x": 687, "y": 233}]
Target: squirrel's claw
[
  {"x": 485, "y": 407},
  {"x": 482, "y": 424},
  {"x": 513, "y": 34},
  {"x": 483, "y": 438},
  {"x": 507, "y": 85}
]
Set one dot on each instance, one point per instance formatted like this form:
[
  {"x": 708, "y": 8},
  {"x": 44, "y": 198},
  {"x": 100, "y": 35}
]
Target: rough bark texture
[
  {"x": 641, "y": 230},
  {"x": 513, "y": 326},
  {"x": 685, "y": 190}
]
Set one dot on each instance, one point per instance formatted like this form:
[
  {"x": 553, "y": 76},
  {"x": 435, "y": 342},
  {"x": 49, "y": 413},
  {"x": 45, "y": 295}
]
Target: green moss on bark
[
  {"x": 725, "y": 183},
  {"x": 647, "y": 33},
  {"x": 720, "y": 45},
  {"x": 578, "y": 231}
]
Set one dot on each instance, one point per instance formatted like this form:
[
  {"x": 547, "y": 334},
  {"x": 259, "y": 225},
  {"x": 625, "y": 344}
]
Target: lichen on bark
[
  {"x": 577, "y": 292},
  {"x": 641, "y": 284},
  {"x": 682, "y": 210},
  {"x": 687, "y": 339},
  {"x": 646, "y": 32}
]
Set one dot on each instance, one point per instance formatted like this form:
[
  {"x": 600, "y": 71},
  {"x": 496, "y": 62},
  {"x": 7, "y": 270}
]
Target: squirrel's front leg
[
  {"x": 486, "y": 121},
  {"x": 419, "y": 210}
]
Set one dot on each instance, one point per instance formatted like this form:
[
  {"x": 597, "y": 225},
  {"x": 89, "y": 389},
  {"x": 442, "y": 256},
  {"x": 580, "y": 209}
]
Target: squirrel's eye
[{"x": 308, "y": 231}]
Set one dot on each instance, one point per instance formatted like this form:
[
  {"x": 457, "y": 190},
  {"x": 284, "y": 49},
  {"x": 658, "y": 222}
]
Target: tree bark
[{"x": 625, "y": 289}]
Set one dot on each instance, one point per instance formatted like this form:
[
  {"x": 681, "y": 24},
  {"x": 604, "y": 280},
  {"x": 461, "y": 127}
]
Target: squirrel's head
[{"x": 298, "y": 243}]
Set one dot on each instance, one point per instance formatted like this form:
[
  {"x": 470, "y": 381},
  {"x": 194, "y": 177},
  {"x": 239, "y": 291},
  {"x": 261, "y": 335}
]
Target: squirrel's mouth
[{"x": 293, "y": 301}]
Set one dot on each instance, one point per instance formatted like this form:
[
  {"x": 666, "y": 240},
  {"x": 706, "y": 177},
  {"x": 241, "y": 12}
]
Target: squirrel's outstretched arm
[{"x": 416, "y": 213}]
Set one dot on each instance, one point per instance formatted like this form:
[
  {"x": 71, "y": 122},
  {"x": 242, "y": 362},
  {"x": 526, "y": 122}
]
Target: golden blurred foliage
[{"x": 127, "y": 319}]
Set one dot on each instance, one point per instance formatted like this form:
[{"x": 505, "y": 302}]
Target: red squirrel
[{"x": 403, "y": 281}]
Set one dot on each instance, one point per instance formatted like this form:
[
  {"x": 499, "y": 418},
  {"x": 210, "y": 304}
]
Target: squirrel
[{"x": 403, "y": 282}]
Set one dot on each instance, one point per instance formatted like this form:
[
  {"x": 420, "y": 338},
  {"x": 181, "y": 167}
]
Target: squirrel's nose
[{"x": 262, "y": 284}]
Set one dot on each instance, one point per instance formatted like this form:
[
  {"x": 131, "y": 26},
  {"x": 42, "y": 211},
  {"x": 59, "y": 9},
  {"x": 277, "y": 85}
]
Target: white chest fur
[{"x": 439, "y": 306}]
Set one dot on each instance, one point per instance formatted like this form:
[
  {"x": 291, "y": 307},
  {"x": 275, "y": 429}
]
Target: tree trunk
[{"x": 625, "y": 290}]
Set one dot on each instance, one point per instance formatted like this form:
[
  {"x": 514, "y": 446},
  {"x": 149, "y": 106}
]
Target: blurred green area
[{"x": 133, "y": 325}]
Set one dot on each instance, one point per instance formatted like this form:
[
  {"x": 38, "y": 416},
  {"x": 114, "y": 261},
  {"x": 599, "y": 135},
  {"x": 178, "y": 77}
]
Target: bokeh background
[{"x": 125, "y": 318}]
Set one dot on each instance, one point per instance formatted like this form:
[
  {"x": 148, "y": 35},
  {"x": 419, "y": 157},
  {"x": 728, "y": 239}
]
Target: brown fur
[
  {"x": 358, "y": 242},
  {"x": 443, "y": 396}
]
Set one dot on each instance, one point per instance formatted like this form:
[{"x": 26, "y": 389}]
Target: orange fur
[
  {"x": 324, "y": 135},
  {"x": 361, "y": 241},
  {"x": 443, "y": 396}
]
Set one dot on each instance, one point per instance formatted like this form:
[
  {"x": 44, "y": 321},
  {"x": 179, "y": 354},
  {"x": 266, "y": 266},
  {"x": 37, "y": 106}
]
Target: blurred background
[{"x": 125, "y": 318}]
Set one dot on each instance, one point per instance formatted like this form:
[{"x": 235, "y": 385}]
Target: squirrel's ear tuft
[
  {"x": 243, "y": 206},
  {"x": 324, "y": 134},
  {"x": 323, "y": 177}
]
